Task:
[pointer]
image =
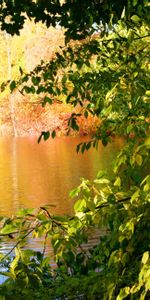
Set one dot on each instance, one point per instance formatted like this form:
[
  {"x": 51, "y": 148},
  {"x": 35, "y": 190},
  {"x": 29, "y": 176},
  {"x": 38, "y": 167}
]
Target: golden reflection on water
[{"x": 33, "y": 175}]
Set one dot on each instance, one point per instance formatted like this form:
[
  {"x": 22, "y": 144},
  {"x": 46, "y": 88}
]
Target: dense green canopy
[{"x": 77, "y": 17}]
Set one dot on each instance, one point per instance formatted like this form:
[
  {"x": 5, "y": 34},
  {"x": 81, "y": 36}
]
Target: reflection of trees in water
[
  {"x": 33, "y": 175},
  {"x": 14, "y": 172}
]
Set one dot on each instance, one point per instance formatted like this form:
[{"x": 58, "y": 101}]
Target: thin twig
[
  {"x": 115, "y": 203},
  {"x": 27, "y": 234}
]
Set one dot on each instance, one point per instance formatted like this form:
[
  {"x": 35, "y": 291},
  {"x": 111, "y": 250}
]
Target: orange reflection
[{"x": 33, "y": 175}]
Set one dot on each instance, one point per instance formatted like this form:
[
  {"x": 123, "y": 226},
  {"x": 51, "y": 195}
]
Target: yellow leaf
[
  {"x": 136, "y": 195},
  {"x": 145, "y": 257},
  {"x": 117, "y": 182},
  {"x": 123, "y": 293}
]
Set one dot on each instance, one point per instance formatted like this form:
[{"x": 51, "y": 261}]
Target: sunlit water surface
[{"x": 32, "y": 175}]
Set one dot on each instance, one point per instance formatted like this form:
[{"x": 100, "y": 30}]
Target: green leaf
[
  {"x": 136, "y": 195},
  {"x": 143, "y": 295},
  {"x": 146, "y": 180},
  {"x": 123, "y": 293},
  {"x": 101, "y": 174},
  {"x": 88, "y": 145},
  {"x": 45, "y": 262},
  {"x": 8, "y": 228},
  {"x": 146, "y": 187},
  {"x": 80, "y": 205},
  {"x": 78, "y": 147},
  {"x": 83, "y": 148},
  {"x": 46, "y": 135},
  {"x": 117, "y": 182},
  {"x": 46, "y": 100},
  {"x": 110, "y": 45},
  {"x": 3, "y": 86},
  {"x": 39, "y": 138},
  {"x": 12, "y": 85},
  {"x": 53, "y": 134},
  {"x": 25, "y": 78},
  {"x": 27, "y": 89},
  {"x": 147, "y": 93},
  {"x": 135, "y": 2},
  {"x": 86, "y": 114},
  {"x": 105, "y": 141},
  {"x": 74, "y": 192},
  {"x": 130, "y": 128},
  {"x": 135, "y": 18},
  {"x": 25, "y": 212},
  {"x": 74, "y": 124},
  {"x": 139, "y": 159},
  {"x": 61, "y": 219},
  {"x": 145, "y": 257},
  {"x": 111, "y": 199},
  {"x": 14, "y": 263},
  {"x": 26, "y": 255},
  {"x": 91, "y": 205},
  {"x": 69, "y": 98},
  {"x": 147, "y": 284},
  {"x": 36, "y": 80},
  {"x": 102, "y": 181}
]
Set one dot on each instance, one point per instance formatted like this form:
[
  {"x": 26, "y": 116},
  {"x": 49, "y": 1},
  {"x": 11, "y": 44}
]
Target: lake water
[{"x": 33, "y": 175}]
